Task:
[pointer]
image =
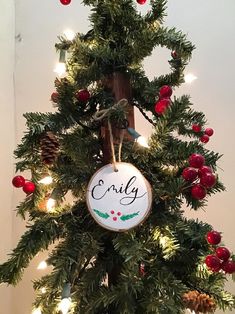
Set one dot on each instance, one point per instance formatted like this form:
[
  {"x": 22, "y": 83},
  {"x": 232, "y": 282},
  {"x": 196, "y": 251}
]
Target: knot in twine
[{"x": 106, "y": 113}]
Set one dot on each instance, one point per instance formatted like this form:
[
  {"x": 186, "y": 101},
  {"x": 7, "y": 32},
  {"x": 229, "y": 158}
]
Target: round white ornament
[{"x": 119, "y": 200}]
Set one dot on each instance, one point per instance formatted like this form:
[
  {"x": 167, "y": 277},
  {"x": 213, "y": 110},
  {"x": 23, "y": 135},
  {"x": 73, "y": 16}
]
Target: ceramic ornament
[{"x": 119, "y": 200}]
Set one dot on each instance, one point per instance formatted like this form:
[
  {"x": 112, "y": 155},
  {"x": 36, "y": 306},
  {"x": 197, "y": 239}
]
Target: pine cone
[
  {"x": 49, "y": 148},
  {"x": 199, "y": 302}
]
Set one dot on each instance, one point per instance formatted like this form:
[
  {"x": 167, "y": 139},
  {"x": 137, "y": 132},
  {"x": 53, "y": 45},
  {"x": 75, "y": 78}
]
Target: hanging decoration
[{"x": 119, "y": 200}]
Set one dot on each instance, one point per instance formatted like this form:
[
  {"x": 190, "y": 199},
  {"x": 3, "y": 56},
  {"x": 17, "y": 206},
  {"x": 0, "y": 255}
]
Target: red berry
[
  {"x": 115, "y": 218},
  {"x": 65, "y": 2},
  {"x": 29, "y": 187},
  {"x": 229, "y": 267},
  {"x": 223, "y": 253},
  {"x": 141, "y": 1},
  {"x": 196, "y": 128},
  {"x": 83, "y": 95},
  {"x": 209, "y": 131},
  {"x": 208, "y": 180},
  {"x": 213, "y": 262},
  {"x": 213, "y": 237},
  {"x": 196, "y": 161},
  {"x": 18, "y": 181},
  {"x": 204, "y": 138},
  {"x": 203, "y": 170},
  {"x": 119, "y": 213},
  {"x": 190, "y": 174},
  {"x": 162, "y": 105},
  {"x": 165, "y": 91},
  {"x": 198, "y": 192},
  {"x": 54, "y": 97},
  {"x": 174, "y": 54},
  {"x": 112, "y": 212}
]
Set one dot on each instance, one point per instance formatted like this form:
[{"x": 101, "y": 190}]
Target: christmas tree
[{"x": 123, "y": 244}]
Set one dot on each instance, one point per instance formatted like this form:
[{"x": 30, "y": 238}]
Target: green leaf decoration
[
  {"x": 102, "y": 215},
  {"x": 127, "y": 217}
]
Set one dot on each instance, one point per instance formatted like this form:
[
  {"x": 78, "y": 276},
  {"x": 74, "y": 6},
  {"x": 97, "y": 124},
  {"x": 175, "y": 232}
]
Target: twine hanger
[{"x": 105, "y": 113}]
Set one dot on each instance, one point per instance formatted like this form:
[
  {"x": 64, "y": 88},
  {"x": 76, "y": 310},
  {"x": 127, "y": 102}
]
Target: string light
[
  {"x": 141, "y": 140},
  {"x": 43, "y": 290},
  {"x": 69, "y": 34},
  {"x": 50, "y": 204},
  {"x": 60, "y": 68},
  {"x": 47, "y": 180},
  {"x": 37, "y": 311},
  {"x": 189, "y": 78},
  {"x": 65, "y": 302},
  {"x": 42, "y": 265}
]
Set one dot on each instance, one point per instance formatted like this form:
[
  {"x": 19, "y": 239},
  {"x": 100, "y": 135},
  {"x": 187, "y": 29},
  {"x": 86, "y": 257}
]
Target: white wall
[
  {"x": 210, "y": 25},
  {"x": 7, "y": 131}
]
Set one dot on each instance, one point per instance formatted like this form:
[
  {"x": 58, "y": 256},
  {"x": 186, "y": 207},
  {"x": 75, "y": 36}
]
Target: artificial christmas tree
[{"x": 153, "y": 267}]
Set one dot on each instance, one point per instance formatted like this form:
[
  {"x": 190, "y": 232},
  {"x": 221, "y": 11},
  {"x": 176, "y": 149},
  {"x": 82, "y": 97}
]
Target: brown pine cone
[
  {"x": 199, "y": 302},
  {"x": 49, "y": 148}
]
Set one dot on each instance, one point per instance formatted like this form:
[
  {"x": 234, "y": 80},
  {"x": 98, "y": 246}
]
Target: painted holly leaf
[
  {"x": 130, "y": 216},
  {"x": 102, "y": 215}
]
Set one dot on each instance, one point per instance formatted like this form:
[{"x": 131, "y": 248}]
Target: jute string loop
[{"x": 105, "y": 113}]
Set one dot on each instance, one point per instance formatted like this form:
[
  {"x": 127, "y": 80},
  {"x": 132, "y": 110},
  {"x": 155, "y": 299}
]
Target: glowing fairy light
[
  {"x": 42, "y": 265},
  {"x": 141, "y": 140},
  {"x": 189, "y": 78},
  {"x": 46, "y": 180},
  {"x": 69, "y": 34},
  {"x": 50, "y": 204}
]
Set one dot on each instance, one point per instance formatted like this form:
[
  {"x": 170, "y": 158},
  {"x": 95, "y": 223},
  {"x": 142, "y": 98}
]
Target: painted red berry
[
  {"x": 83, "y": 95},
  {"x": 119, "y": 213},
  {"x": 29, "y": 187},
  {"x": 209, "y": 131},
  {"x": 190, "y": 174},
  {"x": 112, "y": 212},
  {"x": 196, "y": 128},
  {"x": 115, "y": 218},
  {"x": 165, "y": 91},
  {"x": 213, "y": 237},
  {"x": 229, "y": 267},
  {"x": 223, "y": 253},
  {"x": 162, "y": 105},
  {"x": 198, "y": 192},
  {"x": 18, "y": 181},
  {"x": 213, "y": 262},
  {"x": 196, "y": 161},
  {"x": 204, "y": 138},
  {"x": 203, "y": 170}
]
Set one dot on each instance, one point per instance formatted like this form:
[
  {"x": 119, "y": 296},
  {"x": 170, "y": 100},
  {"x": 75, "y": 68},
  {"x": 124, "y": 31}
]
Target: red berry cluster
[
  {"x": 164, "y": 101},
  {"x": 207, "y": 133},
  {"x": 200, "y": 175},
  {"x": 115, "y": 218},
  {"x": 220, "y": 259},
  {"x": 82, "y": 95},
  {"x": 20, "y": 182}
]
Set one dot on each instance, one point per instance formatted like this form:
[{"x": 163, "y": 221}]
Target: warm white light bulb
[
  {"x": 141, "y": 140},
  {"x": 50, "y": 204},
  {"x": 42, "y": 265},
  {"x": 64, "y": 305},
  {"x": 60, "y": 69},
  {"x": 189, "y": 78},
  {"x": 37, "y": 311},
  {"x": 69, "y": 34},
  {"x": 47, "y": 180},
  {"x": 43, "y": 290}
]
